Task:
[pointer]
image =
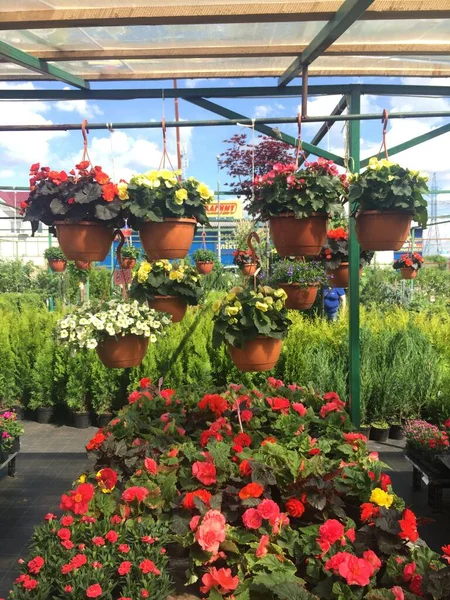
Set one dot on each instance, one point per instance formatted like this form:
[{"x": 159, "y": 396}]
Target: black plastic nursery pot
[
  {"x": 379, "y": 435},
  {"x": 80, "y": 420},
  {"x": 365, "y": 431},
  {"x": 396, "y": 432},
  {"x": 103, "y": 419},
  {"x": 44, "y": 414}
]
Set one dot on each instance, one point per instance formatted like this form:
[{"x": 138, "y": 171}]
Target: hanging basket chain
[
  {"x": 384, "y": 120},
  {"x": 84, "y": 132},
  {"x": 204, "y": 238},
  {"x": 299, "y": 141}
]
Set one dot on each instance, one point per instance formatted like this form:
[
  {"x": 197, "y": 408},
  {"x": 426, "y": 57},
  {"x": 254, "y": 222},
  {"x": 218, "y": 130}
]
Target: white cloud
[
  {"x": 86, "y": 110},
  {"x": 262, "y": 111}
]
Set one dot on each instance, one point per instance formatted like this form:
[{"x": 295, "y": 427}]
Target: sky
[{"x": 122, "y": 153}]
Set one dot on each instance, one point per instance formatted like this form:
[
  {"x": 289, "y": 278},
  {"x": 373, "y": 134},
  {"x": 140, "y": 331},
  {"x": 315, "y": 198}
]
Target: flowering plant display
[
  {"x": 54, "y": 253},
  {"x": 335, "y": 250},
  {"x": 86, "y": 193},
  {"x": 157, "y": 195},
  {"x": 259, "y": 495},
  {"x": 129, "y": 251},
  {"x": 164, "y": 278},
  {"x": 242, "y": 257},
  {"x": 246, "y": 314},
  {"x": 385, "y": 185},
  {"x": 204, "y": 255},
  {"x": 86, "y": 326},
  {"x": 425, "y": 438},
  {"x": 409, "y": 261},
  {"x": 10, "y": 429},
  {"x": 304, "y": 274},
  {"x": 316, "y": 188}
]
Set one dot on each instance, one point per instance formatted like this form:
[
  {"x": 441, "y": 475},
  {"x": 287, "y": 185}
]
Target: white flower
[
  {"x": 153, "y": 338},
  {"x": 91, "y": 344},
  {"x": 63, "y": 334}
]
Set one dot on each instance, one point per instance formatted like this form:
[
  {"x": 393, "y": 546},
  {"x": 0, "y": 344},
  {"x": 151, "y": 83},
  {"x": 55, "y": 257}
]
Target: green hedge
[{"x": 405, "y": 361}]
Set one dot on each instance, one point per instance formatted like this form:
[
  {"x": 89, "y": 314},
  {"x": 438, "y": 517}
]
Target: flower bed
[{"x": 268, "y": 495}]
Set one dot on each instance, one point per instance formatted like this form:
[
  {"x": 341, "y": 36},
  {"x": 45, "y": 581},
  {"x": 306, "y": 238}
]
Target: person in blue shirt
[{"x": 332, "y": 300}]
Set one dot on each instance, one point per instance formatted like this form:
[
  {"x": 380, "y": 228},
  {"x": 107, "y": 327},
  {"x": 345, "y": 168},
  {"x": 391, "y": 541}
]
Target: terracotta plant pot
[
  {"x": 260, "y": 354},
  {"x": 174, "y": 305},
  {"x": 249, "y": 269},
  {"x": 385, "y": 230},
  {"x": 298, "y": 237},
  {"x": 128, "y": 263},
  {"x": 204, "y": 268},
  {"x": 84, "y": 240},
  {"x": 170, "y": 239},
  {"x": 408, "y": 273},
  {"x": 340, "y": 277},
  {"x": 84, "y": 265},
  {"x": 58, "y": 266},
  {"x": 122, "y": 352},
  {"x": 299, "y": 298}
]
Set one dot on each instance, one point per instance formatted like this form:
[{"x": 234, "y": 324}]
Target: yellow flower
[
  {"x": 231, "y": 311},
  {"x": 279, "y": 305},
  {"x": 262, "y": 306},
  {"x": 181, "y": 196},
  {"x": 280, "y": 293},
  {"x": 143, "y": 272},
  {"x": 166, "y": 174},
  {"x": 176, "y": 275},
  {"x": 232, "y": 321},
  {"x": 230, "y": 297},
  {"x": 268, "y": 300},
  {"x": 381, "y": 498},
  {"x": 82, "y": 479},
  {"x": 204, "y": 191},
  {"x": 123, "y": 190},
  {"x": 216, "y": 306}
]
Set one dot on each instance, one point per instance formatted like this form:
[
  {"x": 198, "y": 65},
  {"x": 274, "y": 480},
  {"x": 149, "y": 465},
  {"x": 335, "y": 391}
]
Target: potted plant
[
  {"x": 118, "y": 330},
  {"x": 83, "y": 265},
  {"x": 424, "y": 441},
  {"x": 300, "y": 281},
  {"x": 83, "y": 207},
  {"x": 129, "y": 254},
  {"x": 386, "y": 198},
  {"x": 55, "y": 259},
  {"x": 10, "y": 431},
  {"x": 246, "y": 261},
  {"x": 106, "y": 388},
  {"x": 409, "y": 264},
  {"x": 204, "y": 260},
  {"x": 334, "y": 255},
  {"x": 165, "y": 210},
  {"x": 167, "y": 287},
  {"x": 297, "y": 204},
  {"x": 252, "y": 323},
  {"x": 396, "y": 431},
  {"x": 379, "y": 431}
]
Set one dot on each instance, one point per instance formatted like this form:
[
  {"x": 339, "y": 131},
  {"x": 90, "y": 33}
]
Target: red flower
[
  {"x": 220, "y": 578},
  {"x": 107, "y": 479},
  {"x": 275, "y": 383},
  {"x": 188, "y": 501},
  {"x": 205, "y": 472},
  {"x": 268, "y": 509},
  {"x": 124, "y": 567},
  {"x": 68, "y": 589},
  {"x": 252, "y": 519},
  {"x": 268, "y": 440},
  {"x": 446, "y": 551},
  {"x": 351, "y": 438},
  {"x": 134, "y": 397},
  {"x": 246, "y": 416},
  {"x": 294, "y": 507},
  {"x": 300, "y": 408},
  {"x": 147, "y": 539},
  {"x": 67, "y": 520},
  {"x": 148, "y": 566},
  {"x": 30, "y": 584},
  {"x": 167, "y": 394},
  {"x": 215, "y": 403},
  {"x": 350, "y": 535},
  {"x": 64, "y": 534},
  {"x": 329, "y": 407},
  {"x": 112, "y": 536},
  {"x": 67, "y": 544},
  {"x": 261, "y": 550},
  {"x": 35, "y": 167},
  {"x": 369, "y": 511},
  {"x": 337, "y": 234},
  {"x": 144, "y": 594},
  {"x": 409, "y": 571},
  {"x": 415, "y": 586},
  {"x": 245, "y": 468},
  {"x": 96, "y": 441},
  {"x": 151, "y": 466},
  {"x": 408, "y": 526},
  {"x": 94, "y": 591},
  {"x": 78, "y": 561},
  {"x": 77, "y": 501},
  {"x": 356, "y": 571},
  {"x": 115, "y": 520},
  {"x": 124, "y": 548},
  {"x": 281, "y": 404},
  {"x": 50, "y": 517},
  {"x": 135, "y": 493},
  {"x": 36, "y": 564},
  {"x": 385, "y": 481},
  {"x": 211, "y": 532},
  {"x": 101, "y": 178},
  {"x": 98, "y": 540},
  {"x": 241, "y": 441},
  {"x": 252, "y": 490},
  {"x": 145, "y": 382},
  {"x": 398, "y": 593},
  {"x": 330, "y": 532}
]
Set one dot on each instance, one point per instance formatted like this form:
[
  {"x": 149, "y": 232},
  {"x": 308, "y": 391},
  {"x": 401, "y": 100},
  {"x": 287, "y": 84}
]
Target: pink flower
[
  {"x": 135, "y": 493},
  {"x": 246, "y": 416},
  {"x": 112, "y": 536},
  {"x": 134, "y": 397},
  {"x": 124, "y": 567},
  {"x": 252, "y": 519},
  {"x": 205, "y": 472},
  {"x": 148, "y": 566},
  {"x": 94, "y": 591},
  {"x": 262, "y": 546},
  {"x": 193, "y": 523},
  {"x": 220, "y": 578},
  {"x": 398, "y": 593},
  {"x": 211, "y": 532},
  {"x": 300, "y": 408},
  {"x": 372, "y": 558},
  {"x": 268, "y": 509}
]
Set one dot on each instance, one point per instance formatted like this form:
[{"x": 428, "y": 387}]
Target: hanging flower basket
[
  {"x": 169, "y": 239},
  {"x": 340, "y": 276},
  {"x": 300, "y": 280},
  {"x": 57, "y": 265},
  {"x": 85, "y": 240},
  {"x": 122, "y": 352},
  {"x": 204, "y": 268},
  {"x": 83, "y": 265},
  {"x": 249, "y": 269},
  {"x": 246, "y": 261},
  {"x": 299, "y": 298},
  {"x": 387, "y": 230},
  {"x": 128, "y": 263},
  {"x": 408, "y": 273},
  {"x": 335, "y": 258},
  {"x": 55, "y": 259},
  {"x": 298, "y": 237},
  {"x": 408, "y": 264},
  {"x": 260, "y": 354},
  {"x": 173, "y": 305},
  {"x": 204, "y": 260}
]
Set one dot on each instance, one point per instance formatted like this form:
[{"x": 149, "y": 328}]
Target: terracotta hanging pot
[
  {"x": 408, "y": 273},
  {"x": 299, "y": 298},
  {"x": 383, "y": 230},
  {"x": 170, "y": 238},
  {"x": 249, "y": 269},
  {"x": 174, "y": 305},
  {"x": 122, "y": 352},
  {"x": 84, "y": 265},
  {"x": 128, "y": 263},
  {"x": 204, "y": 268},
  {"x": 57, "y": 266},
  {"x": 84, "y": 240},
  {"x": 340, "y": 276},
  {"x": 260, "y": 354},
  {"x": 298, "y": 237}
]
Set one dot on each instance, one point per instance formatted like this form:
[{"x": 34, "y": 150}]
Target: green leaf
[
  {"x": 180, "y": 524},
  {"x": 58, "y": 207},
  {"x": 106, "y": 212},
  {"x": 89, "y": 193}
]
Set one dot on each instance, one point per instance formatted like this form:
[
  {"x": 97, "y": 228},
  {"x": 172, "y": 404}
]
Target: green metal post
[{"x": 354, "y": 344}]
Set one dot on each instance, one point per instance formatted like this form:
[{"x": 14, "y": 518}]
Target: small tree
[{"x": 237, "y": 160}]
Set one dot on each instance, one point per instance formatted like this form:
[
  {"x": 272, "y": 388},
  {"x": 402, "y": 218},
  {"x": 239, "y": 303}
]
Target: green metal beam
[
  {"x": 264, "y": 129},
  {"x": 13, "y": 55},
  {"x": 353, "y": 254},
  {"x": 420, "y": 139},
  {"x": 348, "y": 13},
  {"x": 325, "y": 128}
]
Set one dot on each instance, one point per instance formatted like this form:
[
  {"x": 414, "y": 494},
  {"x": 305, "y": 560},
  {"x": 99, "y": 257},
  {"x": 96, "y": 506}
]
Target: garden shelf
[
  {"x": 437, "y": 478},
  {"x": 8, "y": 459}
]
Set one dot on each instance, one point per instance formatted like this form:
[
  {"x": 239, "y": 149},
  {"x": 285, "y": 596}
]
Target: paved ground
[{"x": 52, "y": 457}]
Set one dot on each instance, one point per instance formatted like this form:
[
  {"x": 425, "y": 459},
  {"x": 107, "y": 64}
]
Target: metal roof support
[
  {"x": 278, "y": 135},
  {"x": 349, "y": 12},
  {"x": 11, "y": 54}
]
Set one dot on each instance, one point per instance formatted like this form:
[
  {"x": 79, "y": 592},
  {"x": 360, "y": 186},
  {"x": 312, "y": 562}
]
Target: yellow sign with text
[{"x": 229, "y": 209}]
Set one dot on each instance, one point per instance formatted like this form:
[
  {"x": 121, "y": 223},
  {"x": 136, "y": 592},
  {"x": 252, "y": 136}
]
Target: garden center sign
[{"x": 230, "y": 209}]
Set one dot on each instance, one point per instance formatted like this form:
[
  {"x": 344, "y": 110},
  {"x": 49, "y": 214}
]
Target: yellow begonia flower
[
  {"x": 216, "y": 306},
  {"x": 181, "y": 196},
  {"x": 82, "y": 479},
  {"x": 231, "y": 296},
  {"x": 381, "y": 498},
  {"x": 176, "y": 275},
  {"x": 279, "y": 305},
  {"x": 280, "y": 293},
  {"x": 204, "y": 191},
  {"x": 122, "y": 188},
  {"x": 231, "y": 311},
  {"x": 166, "y": 174},
  {"x": 262, "y": 306}
]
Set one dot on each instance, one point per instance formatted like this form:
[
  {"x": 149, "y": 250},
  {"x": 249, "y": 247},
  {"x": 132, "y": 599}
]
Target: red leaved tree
[{"x": 237, "y": 160}]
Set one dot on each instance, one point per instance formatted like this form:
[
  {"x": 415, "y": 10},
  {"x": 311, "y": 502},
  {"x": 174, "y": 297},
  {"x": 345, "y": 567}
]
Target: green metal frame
[{"x": 13, "y": 55}]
